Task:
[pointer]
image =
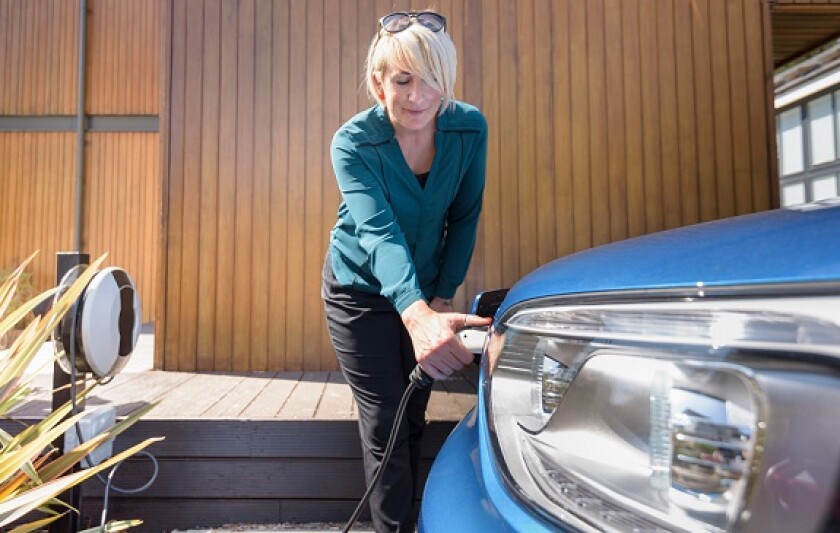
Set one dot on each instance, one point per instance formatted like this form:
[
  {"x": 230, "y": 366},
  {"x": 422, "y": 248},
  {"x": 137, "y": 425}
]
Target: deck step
[{"x": 244, "y": 448}]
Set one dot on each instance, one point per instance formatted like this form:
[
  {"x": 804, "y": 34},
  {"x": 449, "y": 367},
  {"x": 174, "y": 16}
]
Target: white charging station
[
  {"x": 98, "y": 335},
  {"x": 104, "y": 323}
]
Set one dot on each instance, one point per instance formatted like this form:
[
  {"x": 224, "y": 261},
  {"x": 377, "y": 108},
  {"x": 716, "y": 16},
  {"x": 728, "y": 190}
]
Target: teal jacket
[{"x": 393, "y": 237}]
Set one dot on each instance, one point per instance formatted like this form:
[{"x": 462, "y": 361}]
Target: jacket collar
[{"x": 378, "y": 129}]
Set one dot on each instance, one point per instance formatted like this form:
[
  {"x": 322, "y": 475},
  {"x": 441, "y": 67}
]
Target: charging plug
[{"x": 473, "y": 339}]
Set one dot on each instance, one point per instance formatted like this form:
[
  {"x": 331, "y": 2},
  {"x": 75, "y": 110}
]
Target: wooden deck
[
  {"x": 251, "y": 396},
  {"x": 255, "y": 448}
]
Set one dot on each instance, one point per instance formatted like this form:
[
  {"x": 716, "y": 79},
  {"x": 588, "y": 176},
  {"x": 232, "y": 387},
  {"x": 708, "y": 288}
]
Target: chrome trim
[{"x": 700, "y": 291}]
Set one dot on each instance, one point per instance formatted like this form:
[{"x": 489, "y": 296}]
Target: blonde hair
[{"x": 416, "y": 50}]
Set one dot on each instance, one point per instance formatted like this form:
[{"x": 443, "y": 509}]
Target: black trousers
[{"x": 376, "y": 357}]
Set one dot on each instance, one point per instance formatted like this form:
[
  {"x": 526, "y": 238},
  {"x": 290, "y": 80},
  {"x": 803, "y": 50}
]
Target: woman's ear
[{"x": 377, "y": 84}]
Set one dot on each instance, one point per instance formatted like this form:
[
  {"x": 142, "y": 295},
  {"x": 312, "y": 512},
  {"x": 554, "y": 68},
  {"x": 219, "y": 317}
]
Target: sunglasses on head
[{"x": 397, "y": 22}]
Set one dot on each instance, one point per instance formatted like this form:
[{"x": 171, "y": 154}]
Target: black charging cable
[{"x": 418, "y": 379}]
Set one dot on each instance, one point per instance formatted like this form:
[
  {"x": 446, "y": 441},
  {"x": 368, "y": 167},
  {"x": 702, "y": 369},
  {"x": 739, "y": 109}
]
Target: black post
[{"x": 70, "y": 522}]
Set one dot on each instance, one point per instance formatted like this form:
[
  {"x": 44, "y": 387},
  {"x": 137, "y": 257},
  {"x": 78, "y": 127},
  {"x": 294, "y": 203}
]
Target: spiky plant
[
  {"x": 32, "y": 471},
  {"x": 24, "y": 290}
]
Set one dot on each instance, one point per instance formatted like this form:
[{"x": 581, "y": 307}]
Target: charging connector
[{"x": 473, "y": 339}]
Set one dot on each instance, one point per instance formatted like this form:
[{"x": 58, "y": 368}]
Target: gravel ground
[{"x": 312, "y": 527}]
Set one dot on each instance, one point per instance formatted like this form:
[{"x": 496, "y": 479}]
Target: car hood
[{"x": 780, "y": 246}]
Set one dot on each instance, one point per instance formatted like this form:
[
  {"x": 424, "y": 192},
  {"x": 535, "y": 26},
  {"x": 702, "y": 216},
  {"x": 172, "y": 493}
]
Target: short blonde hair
[{"x": 419, "y": 51}]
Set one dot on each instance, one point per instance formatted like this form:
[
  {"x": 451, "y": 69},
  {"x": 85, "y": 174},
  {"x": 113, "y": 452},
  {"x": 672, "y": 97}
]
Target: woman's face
[{"x": 412, "y": 104}]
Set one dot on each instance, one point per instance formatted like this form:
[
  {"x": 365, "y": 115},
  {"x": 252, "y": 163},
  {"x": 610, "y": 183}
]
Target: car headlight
[{"x": 669, "y": 415}]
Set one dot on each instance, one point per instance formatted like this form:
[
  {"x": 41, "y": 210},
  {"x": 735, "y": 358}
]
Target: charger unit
[{"x": 92, "y": 424}]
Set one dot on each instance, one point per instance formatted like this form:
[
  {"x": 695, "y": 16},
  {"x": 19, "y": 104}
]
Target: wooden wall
[
  {"x": 608, "y": 119},
  {"x": 38, "y": 43},
  {"x": 122, "y": 206},
  {"x": 124, "y": 56},
  {"x": 37, "y": 199},
  {"x": 38, "y": 66}
]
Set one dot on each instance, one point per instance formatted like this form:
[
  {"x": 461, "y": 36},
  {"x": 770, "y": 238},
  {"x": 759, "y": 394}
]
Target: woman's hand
[
  {"x": 441, "y": 305},
  {"x": 437, "y": 349}
]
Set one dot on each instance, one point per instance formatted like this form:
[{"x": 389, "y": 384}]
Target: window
[
  {"x": 793, "y": 194},
  {"x": 791, "y": 149},
  {"x": 824, "y": 187},
  {"x": 821, "y": 117},
  {"x": 837, "y": 120},
  {"x": 808, "y": 137}
]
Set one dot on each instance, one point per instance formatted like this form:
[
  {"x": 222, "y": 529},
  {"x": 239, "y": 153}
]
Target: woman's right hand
[{"x": 437, "y": 348}]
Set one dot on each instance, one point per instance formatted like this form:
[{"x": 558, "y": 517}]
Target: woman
[{"x": 411, "y": 175}]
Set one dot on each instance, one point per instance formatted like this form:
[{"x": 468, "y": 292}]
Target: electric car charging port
[{"x": 485, "y": 304}]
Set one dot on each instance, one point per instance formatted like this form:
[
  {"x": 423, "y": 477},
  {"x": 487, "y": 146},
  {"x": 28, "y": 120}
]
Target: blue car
[{"x": 687, "y": 380}]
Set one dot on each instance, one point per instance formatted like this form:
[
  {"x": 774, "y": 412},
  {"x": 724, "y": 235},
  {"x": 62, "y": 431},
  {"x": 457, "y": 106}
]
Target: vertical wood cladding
[
  {"x": 122, "y": 206},
  {"x": 122, "y": 199},
  {"x": 124, "y": 47},
  {"x": 38, "y": 43},
  {"x": 38, "y": 195},
  {"x": 39, "y": 69},
  {"x": 608, "y": 119},
  {"x": 39, "y": 58}
]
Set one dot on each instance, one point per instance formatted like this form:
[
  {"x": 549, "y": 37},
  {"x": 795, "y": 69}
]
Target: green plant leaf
[
  {"x": 10, "y": 320},
  {"x": 35, "y": 438},
  {"x": 34, "y": 430},
  {"x": 29, "y": 472},
  {"x": 16, "y": 360},
  {"x": 13, "y": 460},
  {"x": 18, "y": 506},
  {"x": 116, "y": 525},
  {"x": 60, "y": 307},
  {"x": 9, "y": 286},
  {"x": 36, "y": 525},
  {"x": 14, "y": 397},
  {"x": 24, "y": 349}
]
